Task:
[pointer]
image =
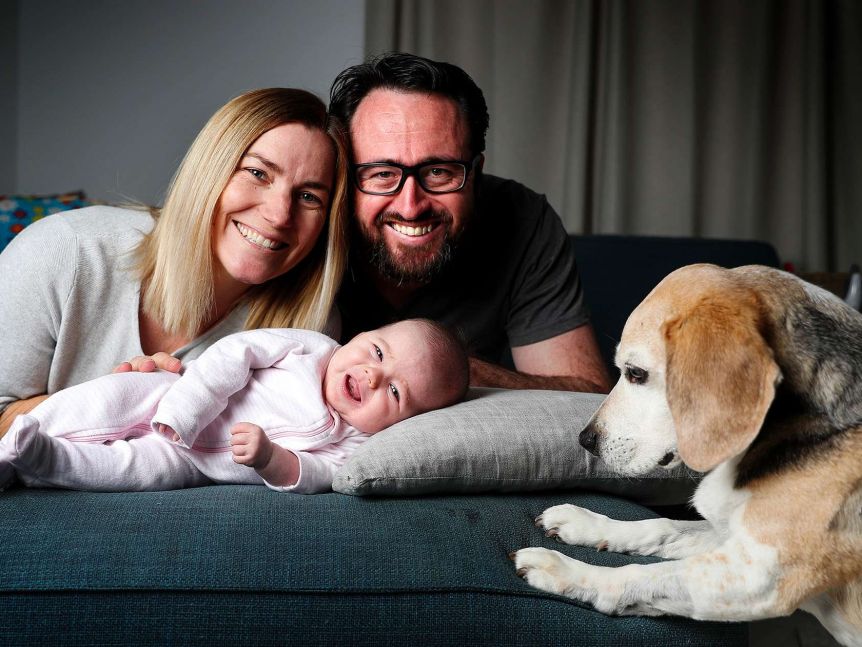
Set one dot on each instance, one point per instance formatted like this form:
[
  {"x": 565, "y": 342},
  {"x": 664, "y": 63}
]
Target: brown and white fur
[{"x": 754, "y": 376}]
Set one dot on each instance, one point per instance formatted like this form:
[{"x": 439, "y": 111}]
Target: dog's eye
[{"x": 636, "y": 375}]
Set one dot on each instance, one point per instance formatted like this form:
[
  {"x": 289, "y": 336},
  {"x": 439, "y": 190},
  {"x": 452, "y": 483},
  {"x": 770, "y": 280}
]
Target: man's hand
[
  {"x": 250, "y": 445},
  {"x": 149, "y": 363}
]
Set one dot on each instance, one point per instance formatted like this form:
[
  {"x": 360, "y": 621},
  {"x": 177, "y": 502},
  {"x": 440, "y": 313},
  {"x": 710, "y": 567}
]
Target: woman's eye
[
  {"x": 310, "y": 197},
  {"x": 257, "y": 173},
  {"x": 636, "y": 375},
  {"x": 394, "y": 391},
  {"x": 378, "y": 352}
]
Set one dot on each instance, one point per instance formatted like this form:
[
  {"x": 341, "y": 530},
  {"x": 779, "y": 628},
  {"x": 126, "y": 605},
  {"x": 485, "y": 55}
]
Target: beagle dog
[{"x": 755, "y": 377}]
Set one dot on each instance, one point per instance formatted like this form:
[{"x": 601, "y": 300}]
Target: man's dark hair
[{"x": 411, "y": 73}]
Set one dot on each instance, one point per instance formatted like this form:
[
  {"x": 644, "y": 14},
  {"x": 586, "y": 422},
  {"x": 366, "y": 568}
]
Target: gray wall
[
  {"x": 110, "y": 94},
  {"x": 8, "y": 94}
]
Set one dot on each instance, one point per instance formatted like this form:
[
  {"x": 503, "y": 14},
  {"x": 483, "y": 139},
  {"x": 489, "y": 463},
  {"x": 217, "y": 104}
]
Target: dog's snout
[{"x": 589, "y": 439}]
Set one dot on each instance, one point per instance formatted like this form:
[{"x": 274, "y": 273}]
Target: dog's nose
[{"x": 589, "y": 439}]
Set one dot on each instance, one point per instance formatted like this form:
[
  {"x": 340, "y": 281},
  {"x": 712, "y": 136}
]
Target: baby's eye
[
  {"x": 378, "y": 352},
  {"x": 395, "y": 393}
]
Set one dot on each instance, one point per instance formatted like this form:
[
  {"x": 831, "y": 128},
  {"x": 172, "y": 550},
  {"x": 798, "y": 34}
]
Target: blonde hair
[{"x": 175, "y": 260}]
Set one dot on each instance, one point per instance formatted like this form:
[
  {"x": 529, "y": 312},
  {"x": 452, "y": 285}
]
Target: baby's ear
[{"x": 721, "y": 377}]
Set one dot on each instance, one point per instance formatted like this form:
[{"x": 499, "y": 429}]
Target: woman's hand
[{"x": 149, "y": 363}]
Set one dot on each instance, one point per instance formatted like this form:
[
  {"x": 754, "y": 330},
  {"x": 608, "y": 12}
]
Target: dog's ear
[{"x": 721, "y": 377}]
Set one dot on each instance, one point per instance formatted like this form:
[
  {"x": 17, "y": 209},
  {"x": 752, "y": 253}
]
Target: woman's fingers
[{"x": 149, "y": 363}]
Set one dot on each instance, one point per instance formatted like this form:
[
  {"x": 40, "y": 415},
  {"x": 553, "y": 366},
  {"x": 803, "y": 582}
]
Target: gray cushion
[{"x": 498, "y": 440}]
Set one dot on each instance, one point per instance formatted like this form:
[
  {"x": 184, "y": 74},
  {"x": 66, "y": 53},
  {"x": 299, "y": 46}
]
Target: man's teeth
[
  {"x": 257, "y": 239},
  {"x": 412, "y": 231}
]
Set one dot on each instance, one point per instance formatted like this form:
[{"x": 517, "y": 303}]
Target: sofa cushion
[
  {"x": 246, "y": 565},
  {"x": 498, "y": 440}
]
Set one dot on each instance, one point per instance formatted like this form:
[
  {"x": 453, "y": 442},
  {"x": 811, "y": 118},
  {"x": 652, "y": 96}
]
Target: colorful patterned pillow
[{"x": 18, "y": 211}]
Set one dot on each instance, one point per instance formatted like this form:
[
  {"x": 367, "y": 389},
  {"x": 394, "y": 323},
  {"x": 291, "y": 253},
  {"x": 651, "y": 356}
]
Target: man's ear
[{"x": 721, "y": 377}]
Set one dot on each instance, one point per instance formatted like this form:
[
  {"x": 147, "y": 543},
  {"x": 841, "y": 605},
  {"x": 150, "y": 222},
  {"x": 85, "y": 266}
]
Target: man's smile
[{"x": 413, "y": 231}]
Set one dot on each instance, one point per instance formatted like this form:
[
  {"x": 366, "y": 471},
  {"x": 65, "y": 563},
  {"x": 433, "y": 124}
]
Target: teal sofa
[{"x": 243, "y": 565}]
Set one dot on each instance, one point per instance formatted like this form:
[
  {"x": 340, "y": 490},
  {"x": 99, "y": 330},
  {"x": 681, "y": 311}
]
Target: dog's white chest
[{"x": 717, "y": 500}]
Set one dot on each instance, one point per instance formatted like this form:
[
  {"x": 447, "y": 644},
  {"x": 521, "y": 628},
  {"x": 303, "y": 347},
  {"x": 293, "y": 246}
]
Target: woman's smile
[{"x": 256, "y": 238}]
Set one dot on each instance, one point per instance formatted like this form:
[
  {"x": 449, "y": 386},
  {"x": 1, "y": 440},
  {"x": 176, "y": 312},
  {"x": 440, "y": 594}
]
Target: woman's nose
[{"x": 277, "y": 209}]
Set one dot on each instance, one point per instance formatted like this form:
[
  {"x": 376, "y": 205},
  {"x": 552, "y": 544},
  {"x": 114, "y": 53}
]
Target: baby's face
[{"x": 383, "y": 376}]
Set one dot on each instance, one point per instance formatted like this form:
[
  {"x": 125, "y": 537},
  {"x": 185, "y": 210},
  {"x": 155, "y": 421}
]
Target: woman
[{"x": 237, "y": 245}]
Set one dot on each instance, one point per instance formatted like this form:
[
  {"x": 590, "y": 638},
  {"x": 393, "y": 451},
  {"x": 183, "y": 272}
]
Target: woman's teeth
[
  {"x": 252, "y": 236},
  {"x": 412, "y": 231}
]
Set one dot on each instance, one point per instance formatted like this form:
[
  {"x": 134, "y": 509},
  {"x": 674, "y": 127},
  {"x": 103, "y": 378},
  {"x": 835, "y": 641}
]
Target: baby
[{"x": 312, "y": 401}]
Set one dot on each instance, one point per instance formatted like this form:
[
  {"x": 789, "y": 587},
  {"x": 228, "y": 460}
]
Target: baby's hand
[
  {"x": 168, "y": 432},
  {"x": 250, "y": 445}
]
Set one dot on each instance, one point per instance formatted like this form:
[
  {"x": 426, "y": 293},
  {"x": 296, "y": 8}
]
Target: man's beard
[{"x": 413, "y": 265}]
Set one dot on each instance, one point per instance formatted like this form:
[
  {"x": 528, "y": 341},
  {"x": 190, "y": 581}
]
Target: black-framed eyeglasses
[{"x": 388, "y": 178}]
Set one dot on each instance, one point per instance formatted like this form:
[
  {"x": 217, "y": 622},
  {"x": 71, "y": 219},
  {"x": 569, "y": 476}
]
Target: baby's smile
[{"x": 352, "y": 388}]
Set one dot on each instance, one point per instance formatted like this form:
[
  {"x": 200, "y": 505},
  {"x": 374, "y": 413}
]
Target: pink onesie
[{"x": 104, "y": 434}]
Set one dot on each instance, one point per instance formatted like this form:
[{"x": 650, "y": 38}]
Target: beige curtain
[{"x": 717, "y": 118}]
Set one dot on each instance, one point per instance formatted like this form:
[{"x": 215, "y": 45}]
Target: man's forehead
[{"x": 419, "y": 123}]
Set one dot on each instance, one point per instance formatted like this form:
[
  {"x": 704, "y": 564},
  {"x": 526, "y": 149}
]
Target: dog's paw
[
  {"x": 570, "y": 524},
  {"x": 548, "y": 570},
  {"x": 554, "y": 572}
]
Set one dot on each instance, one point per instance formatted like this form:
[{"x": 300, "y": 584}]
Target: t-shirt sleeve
[
  {"x": 547, "y": 298},
  {"x": 37, "y": 270}
]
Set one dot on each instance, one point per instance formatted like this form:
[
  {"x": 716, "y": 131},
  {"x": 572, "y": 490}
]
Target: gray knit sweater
[{"x": 69, "y": 302}]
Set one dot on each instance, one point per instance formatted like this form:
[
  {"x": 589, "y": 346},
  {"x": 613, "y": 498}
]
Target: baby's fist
[
  {"x": 168, "y": 432},
  {"x": 250, "y": 445}
]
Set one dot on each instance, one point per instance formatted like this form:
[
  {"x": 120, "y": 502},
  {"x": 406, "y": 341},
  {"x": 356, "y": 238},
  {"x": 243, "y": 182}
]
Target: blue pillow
[{"x": 18, "y": 211}]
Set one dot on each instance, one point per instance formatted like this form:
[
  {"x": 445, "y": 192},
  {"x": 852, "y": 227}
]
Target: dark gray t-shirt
[{"x": 513, "y": 280}]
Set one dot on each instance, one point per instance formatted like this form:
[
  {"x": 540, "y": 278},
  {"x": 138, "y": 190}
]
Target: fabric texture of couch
[{"x": 235, "y": 565}]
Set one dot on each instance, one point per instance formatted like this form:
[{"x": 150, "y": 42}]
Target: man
[{"x": 435, "y": 238}]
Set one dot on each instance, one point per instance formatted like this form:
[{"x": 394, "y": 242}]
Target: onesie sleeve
[
  {"x": 37, "y": 270},
  {"x": 202, "y": 393},
  {"x": 317, "y": 466}
]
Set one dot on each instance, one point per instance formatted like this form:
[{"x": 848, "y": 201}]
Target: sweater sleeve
[
  {"x": 202, "y": 393},
  {"x": 37, "y": 270}
]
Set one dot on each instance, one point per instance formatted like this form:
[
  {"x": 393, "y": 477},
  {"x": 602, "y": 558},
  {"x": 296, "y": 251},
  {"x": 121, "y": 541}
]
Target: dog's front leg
[
  {"x": 714, "y": 586},
  {"x": 666, "y": 538}
]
